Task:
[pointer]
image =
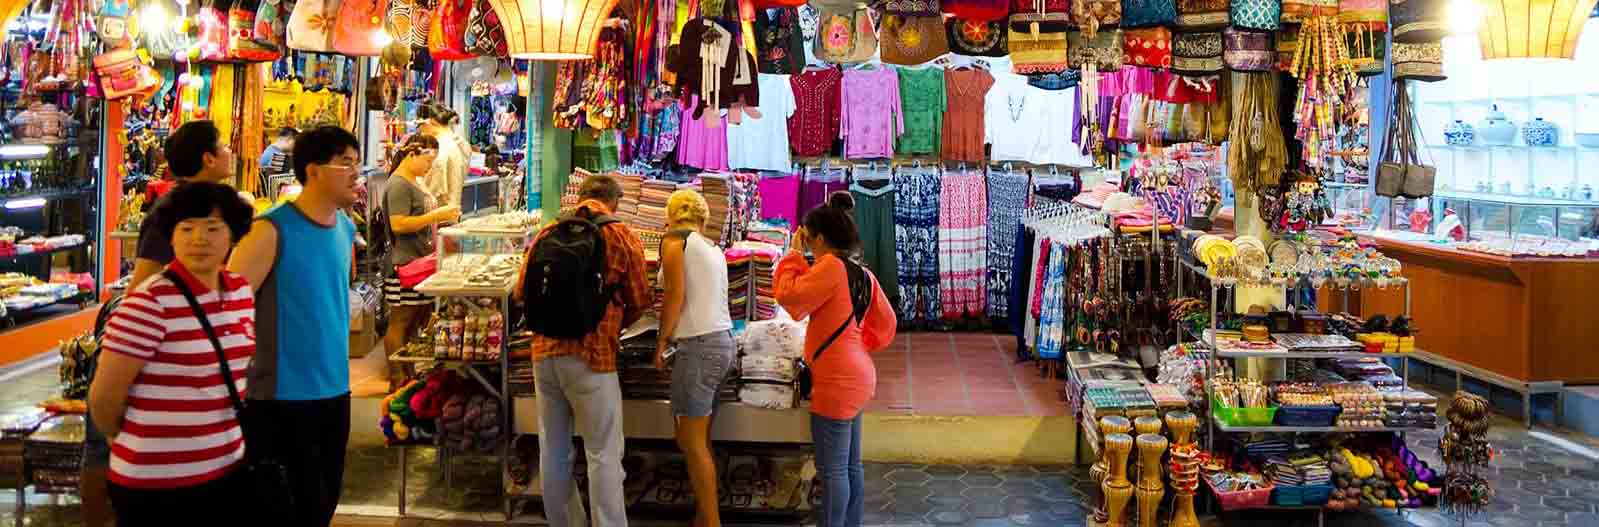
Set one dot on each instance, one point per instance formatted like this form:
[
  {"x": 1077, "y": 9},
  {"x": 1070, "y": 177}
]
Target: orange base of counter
[{"x": 39, "y": 337}]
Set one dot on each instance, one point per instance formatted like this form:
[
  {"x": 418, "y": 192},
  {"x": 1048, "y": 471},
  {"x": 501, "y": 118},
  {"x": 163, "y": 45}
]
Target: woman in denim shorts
[{"x": 694, "y": 320}]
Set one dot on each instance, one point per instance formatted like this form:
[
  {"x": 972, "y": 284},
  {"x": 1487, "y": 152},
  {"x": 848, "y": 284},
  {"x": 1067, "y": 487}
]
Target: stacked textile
[
  {"x": 574, "y": 183},
  {"x": 768, "y": 352},
  {"x": 739, "y": 264},
  {"x": 717, "y": 189},
  {"x": 653, "y": 195},
  {"x": 764, "y": 257},
  {"x": 774, "y": 232},
  {"x": 636, "y": 369},
  {"x": 632, "y": 185},
  {"x": 744, "y": 205}
]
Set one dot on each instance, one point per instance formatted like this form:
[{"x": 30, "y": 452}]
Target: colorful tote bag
[
  {"x": 1149, "y": 47},
  {"x": 976, "y": 38},
  {"x": 1035, "y": 7},
  {"x": 1295, "y": 11},
  {"x": 272, "y": 21},
  {"x": 1201, "y": 15},
  {"x": 780, "y": 41},
  {"x": 311, "y": 25},
  {"x": 1090, "y": 15},
  {"x": 913, "y": 39},
  {"x": 1258, "y": 15},
  {"x": 1038, "y": 43},
  {"x": 1148, "y": 13},
  {"x": 447, "y": 36},
  {"x": 484, "y": 34},
  {"x": 846, "y": 37},
  {"x": 1370, "y": 13},
  {"x": 1103, "y": 50},
  {"x": 1249, "y": 50},
  {"x": 355, "y": 33}
]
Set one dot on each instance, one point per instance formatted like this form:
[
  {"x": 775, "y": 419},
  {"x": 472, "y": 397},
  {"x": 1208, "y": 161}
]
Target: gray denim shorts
[{"x": 699, "y": 369}]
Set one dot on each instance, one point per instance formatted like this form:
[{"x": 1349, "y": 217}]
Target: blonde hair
[{"x": 687, "y": 206}]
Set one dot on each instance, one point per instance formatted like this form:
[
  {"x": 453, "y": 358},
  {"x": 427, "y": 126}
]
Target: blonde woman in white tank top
[{"x": 694, "y": 318}]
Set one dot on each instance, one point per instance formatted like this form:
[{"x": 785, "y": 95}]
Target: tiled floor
[{"x": 961, "y": 374}]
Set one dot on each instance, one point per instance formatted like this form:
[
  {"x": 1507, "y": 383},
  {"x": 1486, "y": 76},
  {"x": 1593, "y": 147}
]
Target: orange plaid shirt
[{"x": 624, "y": 255}]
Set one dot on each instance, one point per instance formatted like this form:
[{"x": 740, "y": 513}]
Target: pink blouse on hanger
[{"x": 871, "y": 117}]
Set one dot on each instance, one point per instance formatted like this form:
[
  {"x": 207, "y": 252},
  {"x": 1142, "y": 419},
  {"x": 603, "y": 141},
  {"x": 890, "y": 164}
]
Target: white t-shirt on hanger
[
  {"x": 1024, "y": 123},
  {"x": 762, "y": 144}
]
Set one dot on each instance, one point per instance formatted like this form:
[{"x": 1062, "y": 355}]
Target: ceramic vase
[
  {"x": 1539, "y": 132},
  {"x": 1118, "y": 490},
  {"x": 1116, "y": 500},
  {"x": 1148, "y": 424},
  {"x": 1182, "y": 425},
  {"x": 1459, "y": 133},
  {"x": 1496, "y": 129},
  {"x": 1149, "y": 506},
  {"x": 1150, "y": 449},
  {"x": 1183, "y": 514}
]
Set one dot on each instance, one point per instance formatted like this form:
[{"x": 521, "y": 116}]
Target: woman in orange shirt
[{"x": 849, "y": 318}]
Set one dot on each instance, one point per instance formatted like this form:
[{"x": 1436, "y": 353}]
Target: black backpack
[{"x": 566, "y": 292}]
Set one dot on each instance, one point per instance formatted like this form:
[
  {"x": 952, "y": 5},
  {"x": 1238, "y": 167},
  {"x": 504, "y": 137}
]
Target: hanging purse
[
  {"x": 111, "y": 22},
  {"x": 780, "y": 41},
  {"x": 1201, "y": 15},
  {"x": 242, "y": 45},
  {"x": 272, "y": 21},
  {"x": 1090, "y": 15},
  {"x": 1104, "y": 51},
  {"x": 171, "y": 44},
  {"x": 447, "y": 36},
  {"x": 1248, "y": 50},
  {"x": 911, "y": 7},
  {"x": 982, "y": 10},
  {"x": 1039, "y": 7},
  {"x": 120, "y": 73},
  {"x": 1258, "y": 15},
  {"x": 1370, "y": 13},
  {"x": 1422, "y": 62},
  {"x": 860, "y": 298},
  {"x": 909, "y": 40},
  {"x": 1401, "y": 172},
  {"x": 846, "y": 37},
  {"x": 355, "y": 34},
  {"x": 1148, "y": 13},
  {"x": 485, "y": 36},
  {"x": 212, "y": 44},
  {"x": 1365, "y": 49},
  {"x": 1197, "y": 54},
  {"x": 1038, "y": 43},
  {"x": 976, "y": 38},
  {"x": 1417, "y": 21},
  {"x": 311, "y": 25},
  {"x": 1149, "y": 47}
]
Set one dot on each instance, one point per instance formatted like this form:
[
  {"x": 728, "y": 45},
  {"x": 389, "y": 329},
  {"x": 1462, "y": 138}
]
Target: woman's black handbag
[
  {"x": 268, "y": 479},
  {"x": 860, "y": 299}
]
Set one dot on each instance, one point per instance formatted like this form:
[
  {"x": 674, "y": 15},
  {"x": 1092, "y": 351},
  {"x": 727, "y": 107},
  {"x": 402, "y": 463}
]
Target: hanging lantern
[
  {"x": 552, "y": 29},
  {"x": 1514, "y": 29}
]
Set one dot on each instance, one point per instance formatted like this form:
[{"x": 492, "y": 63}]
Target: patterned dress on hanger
[
  {"x": 1007, "y": 195},
  {"x": 1051, "y": 318},
  {"x": 916, "y": 199}
]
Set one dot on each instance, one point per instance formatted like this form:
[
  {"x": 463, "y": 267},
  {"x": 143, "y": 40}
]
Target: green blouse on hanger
[{"x": 921, "y": 94}]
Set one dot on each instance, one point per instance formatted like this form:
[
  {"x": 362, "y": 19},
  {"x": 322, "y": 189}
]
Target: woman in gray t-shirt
[{"x": 412, "y": 217}]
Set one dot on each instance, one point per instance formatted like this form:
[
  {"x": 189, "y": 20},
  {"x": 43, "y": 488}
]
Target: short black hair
[
  {"x": 187, "y": 146},
  {"x": 199, "y": 200},
  {"x": 601, "y": 187},
  {"x": 288, "y": 131},
  {"x": 319, "y": 146}
]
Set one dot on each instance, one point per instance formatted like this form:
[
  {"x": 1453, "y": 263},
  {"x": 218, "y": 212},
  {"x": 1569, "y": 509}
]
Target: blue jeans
[
  {"x": 838, "y": 460},
  {"x": 574, "y": 399}
]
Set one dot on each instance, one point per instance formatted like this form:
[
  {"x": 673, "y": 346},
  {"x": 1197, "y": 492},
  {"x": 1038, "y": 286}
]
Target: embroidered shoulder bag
[
  {"x": 1249, "y": 50},
  {"x": 1201, "y": 15},
  {"x": 846, "y": 37},
  {"x": 1148, "y": 13},
  {"x": 1104, "y": 51},
  {"x": 1422, "y": 62},
  {"x": 1259, "y": 15},
  {"x": 913, "y": 39},
  {"x": 1416, "y": 21},
  {"x": 976, "y": 38},
  {"x": 1038, "y": 43},
  {"x": 1149, "y": 47},
  {"x": 1197, "y": 53}
]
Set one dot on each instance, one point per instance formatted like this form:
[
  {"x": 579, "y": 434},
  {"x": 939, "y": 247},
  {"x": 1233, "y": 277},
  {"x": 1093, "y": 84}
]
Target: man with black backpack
[{"x": 583, "y": 283}]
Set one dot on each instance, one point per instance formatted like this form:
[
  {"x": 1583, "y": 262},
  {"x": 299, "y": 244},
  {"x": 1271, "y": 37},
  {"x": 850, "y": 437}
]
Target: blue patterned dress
[{"x": 1051, "y": 318}]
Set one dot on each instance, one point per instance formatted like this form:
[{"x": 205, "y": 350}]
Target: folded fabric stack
[
  {"x": 54, "y": 454},
  {"x": 774, "y": 232},
  {"x": 653, "y": 195},
  {"x": 636, "y": 369},
  {"x": 717, "y": 190},
  {"x": 739, "y": 264},
  {"x": 574, "y": 183},
  {"x": 765, "y": 256},
  {"x": 769, "y": 350},
  {"x": 632, "y": 187},
  {"x": 744, "y": 205}
]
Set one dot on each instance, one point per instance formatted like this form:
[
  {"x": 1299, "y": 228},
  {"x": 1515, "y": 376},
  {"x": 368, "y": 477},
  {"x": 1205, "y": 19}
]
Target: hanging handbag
[
  {"x": 860, "y": 299},
  {"x": 1248, "y": 50},
  {"x": 1039, "y": 7},
  {"x": 1287, "y": 46},
  {"x": 356, "y": 32},
  {"x": 1150, "y": 47},
  {"x": 1202, "y": 15},
  {"x": 976, "y": 38},
  {"x": 120, "y": 73},
  {"x": 212, "y": 45},
  {"x": 1370, "y": 13},
  {"x": 272, "y": 21},
  {"x": 269, "y": 488},
  {"x": 111, "y": 22},
  {"x": 909, "y": 40},
  {"x": 1422, "y": 62},
  {"x": 171, "y": 44},
  {"x": 1417, "y": 21},
  {"x": 485, "y": 36},
  {"x": 981, "y": 10},
  {"x": 311, "y": 25},
  {"x": 1038, "y": 43},
  {"x": 780, "y": 41},
  {"x": 1148, "y": 13},
  {"x": 1365, "y": 49},
  {"x": 846, "y": 37},
  {"x": 1090, "y": 15},
  {"x": 447, "y": 36},
  {"x": 1297, "y": 11},
  {"x": 1197, "y": 54},
  {"x": 1104, "y": 50},
  {"x": 1258, "y": 15},
  {"x": 1401, "y": 172},
  {"x": 242, "y": 45}
]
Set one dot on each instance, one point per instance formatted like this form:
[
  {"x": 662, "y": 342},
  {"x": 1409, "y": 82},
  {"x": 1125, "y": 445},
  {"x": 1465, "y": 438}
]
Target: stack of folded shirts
[
  {"x": 632, "y": 186},
  {"x": 653, "y": 195},
  {"x": 717, "y": 190},
  {"x": 739, "y": 263},
  {"x": 774, "y": 232},
  {"x": 764, "y": 257}
]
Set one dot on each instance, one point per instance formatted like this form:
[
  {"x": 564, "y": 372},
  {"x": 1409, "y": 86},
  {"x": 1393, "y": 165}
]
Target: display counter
[{"x": 1526, "y": 318}]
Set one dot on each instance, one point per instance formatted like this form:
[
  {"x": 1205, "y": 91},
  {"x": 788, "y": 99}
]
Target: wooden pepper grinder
[
  {"x": 1117, "y": 488},
  {"x": 1110, "y": 424},
  {"x": 1184, "y": 467},
  {"x": 1150, "y": 487}
]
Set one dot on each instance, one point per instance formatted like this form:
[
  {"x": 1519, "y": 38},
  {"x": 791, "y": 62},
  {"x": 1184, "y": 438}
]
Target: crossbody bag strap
[
  {"x": 855, "y": 314},
  {"x": 205, "y": 324}
]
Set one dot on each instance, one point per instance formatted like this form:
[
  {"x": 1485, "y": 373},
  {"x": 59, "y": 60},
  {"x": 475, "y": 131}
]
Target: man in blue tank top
[{"x": 298, "y": 257}]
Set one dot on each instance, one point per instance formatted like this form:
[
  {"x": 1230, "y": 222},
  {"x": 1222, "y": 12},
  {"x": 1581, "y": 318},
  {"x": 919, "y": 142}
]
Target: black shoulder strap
[
  {"x": 857, "y": 307},
  {"x": 603, "y": 220},
  {"x": 211, "y": 333}
]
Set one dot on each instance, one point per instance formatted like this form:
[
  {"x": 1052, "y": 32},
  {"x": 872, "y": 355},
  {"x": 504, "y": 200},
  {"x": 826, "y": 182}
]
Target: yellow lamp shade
[
  {"x": 552, "y": 29},
  {"x": 1514, "y": 29}
]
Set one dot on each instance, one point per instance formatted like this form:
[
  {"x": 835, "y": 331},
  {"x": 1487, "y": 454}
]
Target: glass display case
[
  {"x": 1501, "y": 224},
  {"x": 1351, "y": 205}
]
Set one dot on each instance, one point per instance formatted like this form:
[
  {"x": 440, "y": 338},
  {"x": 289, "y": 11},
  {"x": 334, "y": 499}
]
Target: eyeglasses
[{"x": 340, "y": 168}]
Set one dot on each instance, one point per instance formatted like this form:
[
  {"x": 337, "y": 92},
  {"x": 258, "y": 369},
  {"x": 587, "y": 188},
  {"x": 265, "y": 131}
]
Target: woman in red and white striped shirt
[{"x": 159, "y": 393}]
